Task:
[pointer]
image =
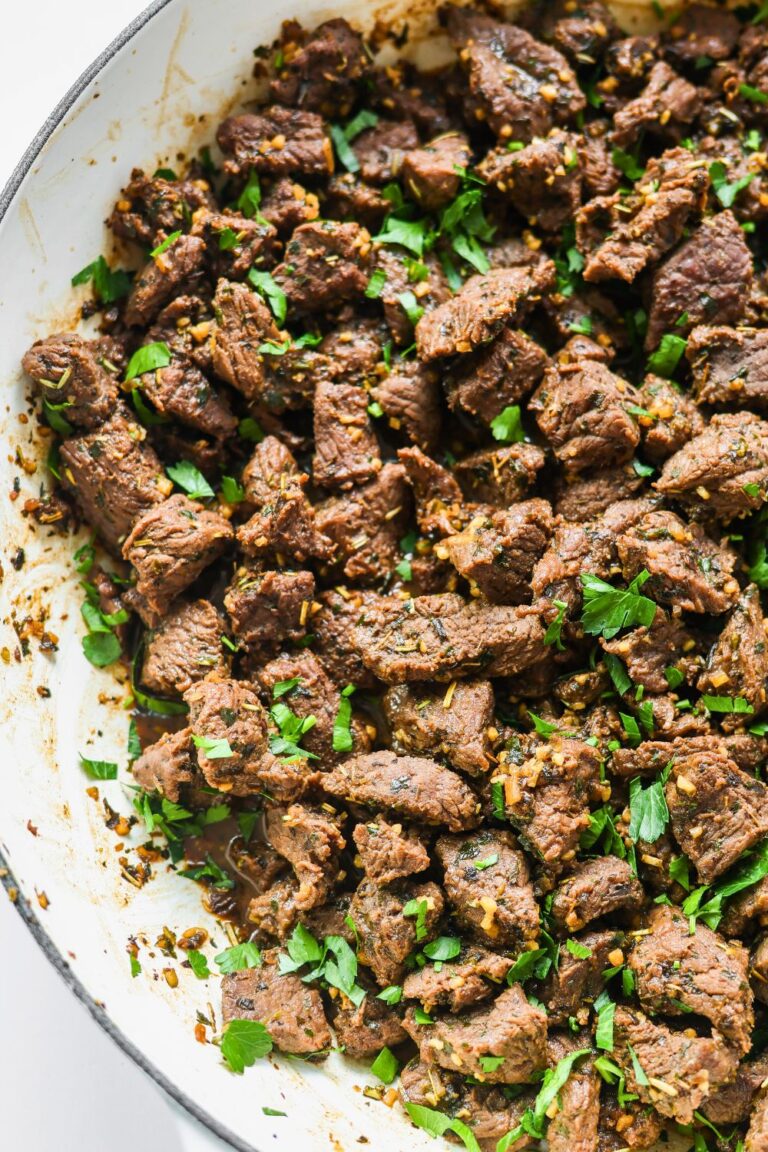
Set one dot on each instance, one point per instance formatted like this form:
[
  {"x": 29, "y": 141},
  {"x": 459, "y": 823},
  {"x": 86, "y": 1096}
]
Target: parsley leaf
[
  {"x": 243, "y": 1042},
  {"x": 607, "y": 609},
  {"x": 417, "y": 908},
  {"x": 731, "y": 704},
  {"x": 249, "y": 200},
  {"x": 210, "y": 870},
  {"x": 725, "y": 192},
  {"x": 291, "y": 728},
  {"x": 267, "y": 287},
  {"x": 437, "y": 1124},
  {"x": 164, "y": 245},
  {"x": 107, "y": 285},
  {"x": 443, "y": 948},
  {"x": 215, "y": 748},
  {"x": 239, "y": 957},
  {"x": 385, "y": 1066},
  {"x": 98, "y": 769},
  {"x": 508, "y": 426},
  {"x": 606, "y": 1010},
  {"x": 533, "y": 1119},
  {"x": 342, "y": 725},
  {"x": 667, "y": 356},
  {"x": 147, "y": 359},
  {"x": 577, "y": 950},
  {"x": 190, "y": 479},
  {"x": 552, "y": 634},
  {"x": 231, "y": 490},
  {"x": 392, "y": 994},
  {"x": 198, "y": 963},
  {"x": 376, "y": 284}
]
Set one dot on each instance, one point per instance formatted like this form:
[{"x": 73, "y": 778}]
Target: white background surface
[{"x": 64, "y": 1085}]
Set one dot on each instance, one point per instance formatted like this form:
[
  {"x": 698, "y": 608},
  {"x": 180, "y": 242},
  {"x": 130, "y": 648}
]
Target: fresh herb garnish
[
  {"x": 267, "y": 287},
  {"x": 533, "y": 1119},
  {"x": 191, "y": 480},
  {"x": 238, "y": 957},
  {"x": 98, "y": 769},
  {"x": 147, "y": 359},
  {"x": 392, "y": 994},
  {"x": 198, "y": 963},
  {"x": 108, "y": 286},
  {"x": 231, "y": 490},
  {"x": 419, "y": 909},
  {"x": 215, "y": 748},
  {"x": 385, "y": 1066},
  {"x": 164, "y": 245},
  {"x": 508, "y": 426},
  {"x": 332, "y": 961},
  {"x": 607, "y": 610},
  {"x": 725, "y": 192},
  {"x": 342, "y": 725},
  {"x": 437, "y": 1124},
  {"x": 667, "y": 356},
  {"x": 648, "y": 809},
  {"x": 734, "y": 704},
  {"x": 243, "y": 1042},
  {"x": 554, "y": 630}
]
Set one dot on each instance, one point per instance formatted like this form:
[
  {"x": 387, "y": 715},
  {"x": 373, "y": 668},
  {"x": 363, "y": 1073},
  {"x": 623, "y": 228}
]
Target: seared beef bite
[{"x": 449, "y": 645}]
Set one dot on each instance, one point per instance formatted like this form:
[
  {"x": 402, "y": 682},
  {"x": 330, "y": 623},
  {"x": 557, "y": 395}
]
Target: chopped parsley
[
  {"x": 98, "y": 769},
  {"x": 164, "y": 245},
  {"x": 190, "y": 480},
  {"x": 108, "y": 286},
  {"x": 725, "y": 192},
  {"x": 332, "y": 961},
  {"x": 215, "y": 748},
  {"x": 418, "y": 909},
  {"x": 665, "y": 359},
  {"x": 648, "y": 809},
  {"x": 238, "y": 957},
  {"x": 508, "y": 426},
  {"x": 607, "y": 610},
  {"x": 147, "y": 359},
  {"x": 552, "y": 634},
  {"x": 243, "y": 1042},
  {"x": 342, "y": 725},
  {"x": 267, "y": 287},
  {"x": 385, "y": 1066}
]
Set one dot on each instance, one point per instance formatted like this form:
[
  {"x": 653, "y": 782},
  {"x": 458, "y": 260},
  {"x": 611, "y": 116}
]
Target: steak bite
[
  {"x": 487, "y": 1106},
  {"x": 677, "y": 972},
  {"x": 310, "y": 840},
  {"x": 364, "y": 1030},
  {"x": 584, "y": 416},
  {"x": 325, "y": 264},
  {"x": 729, "y": 365},
  {"x": 230, "y": 732},
  {"x": 737, "y": 664},
  {"x": 275, "y": 141},
  {"x": 480, "y": 309},
  {"x": 410, "y": 398},
  {"x": 510, "y": 1027},
  {"x": 365, "y": 525},
  {"x": 390, "y": 922},
  {"x": 266, "y": 608},
  {"x": 474, "y": 975},
  {"x": 422, "y": 719},
  {"x": 243, "y": 324},
  {"x": 542, "y": 181},
  {"x": 69, "y": 370},
  {"x": 432, "y": 174},
  {"x": 724, "y": 470},
  {"x": 519, "y": 86},
  {"x": 708, "y": 278},
  {"x": 167, "y": 766},
  {"x": 150, "y": 208},
  {"x": 165, "y": 275},
  {"x": 498, "y": 553},
  {"x": 283, "y": 521},
  {"x": 594, "y": 889},
  {"x": 169, "y": 547},
  {"x": 414, "y": 787},
  {"x": 115, "y": 476},
  {"x": 237, "y": 244},
  {"x": 498, "y": 375},
  {"x": 321, "y": 70},
  {"x": 577, "y": 981},
  {"x": 180, "y": 390},
  {"x": 665, "y": 107},
  {"x": 441, "y": 637},
  {"x": 687, "y": 569},
  {"x": 547, "y": 797},
  {"x": 622, "y": 235},
  {"x": 649, "y": 652},
  {"x": 500, "y": 476},
  {"x": 732, "y": 1103},
  {"x": 380, "y": 150},
  {"x": 337, "y": 615},
  {"x": 290, "y": 1010},
  {"x": 494, "y": 901},
  {"x": 717, "y": 811},
  {"x": 679, "y": 1069},
  {"x": 389, "y": 852},
  {"x": 672, "y": 418},
  {"x": 346, "y": 448},
  {"x": 184, "y": 647},
  {"x": 574, "y": 1128}
]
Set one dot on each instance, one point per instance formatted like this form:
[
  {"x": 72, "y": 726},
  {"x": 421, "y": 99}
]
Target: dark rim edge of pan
[{"x": 44, "y": 941}]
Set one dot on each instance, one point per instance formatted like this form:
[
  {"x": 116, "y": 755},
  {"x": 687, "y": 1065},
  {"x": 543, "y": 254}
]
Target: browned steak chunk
[
  {"x": 230, "y": 732},
  {"x": 442, "y": 637},
  {"x": 115, "y": 476},
  {"x": 671, "y": 418},
  {"x": 266, "y": 608},
  {"x": 679, "y": 1070},
  {"x": 283, "y": 521},
  {"x": 622, "y": 235},
  {"x": 500, "y": 476},
  {"x": 181, "y": 391},
  {"x": 724, "y": 470},
  {"x": 595, "y": 888},
  {"x": 578, "y": 980},
  {"x": 478, "y": 312},
  {"x": 243, "y": 325},
  {"x": 380, "y": 150},
  {"x": 169, "y": 547},
  {"x": 276, "y": 141},
  {"x": 665, "y": 107},
  {"x": 574, "y": 1128},
  {"x": 69, "y": 370},
  {"x": 324, "y": 70},
  {"x": 456, "y": 726},
  {"x": 518, "y": 85},
  {"x": 717, "y": 811},
  {"x": 700, "y": 31},
  {"x": 386, "y": 920},
  {"x": 547, "y": 797},
  {"x": 432, "y": 174},
  {"x": 151, "y": 207},
  {"x": 412, "y": 786},
  {"x": 474, "y": 975},
  {"x": 166, "y": 275},
  {"x": 332, "y": 625},
  {"x": 500, "y": 374},
  {"x": 687, "y": 569},
  {"x": 310, "y": 840},
  {"x": 678, "y": 972},
  {"x": 708, "y": 278},
  {"x": 584, "y": 416},
  {"x": 510, "y": 1027},
  {"x": 757, "y": 1136},
  {"x": 738, "y": 663},
  {"x": 168, "y": 765},
  {"x": 732, "y": 1103},
  {"x": 498, "y": 553},
  {"x": 542, "y": 180},
  {"x": 649, "y": 652},
  {"x": 486, "y": 1106},
  {"x": 729, "y": 365},
  {"x": 409, "y": 397},
  {"x": 365, "y": 1030},
  {"x": 488, "y": 884},
  {"x": 325, "y": 264},
  {"x": 366, "y": 524},
  {"x": 237, "y": 244},
  {"x": 389, "y": 852},
  {"x": 346, "y": 448},
  {"x": 185, "y": 647},
  {"x": 291, "y": 1011}
]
